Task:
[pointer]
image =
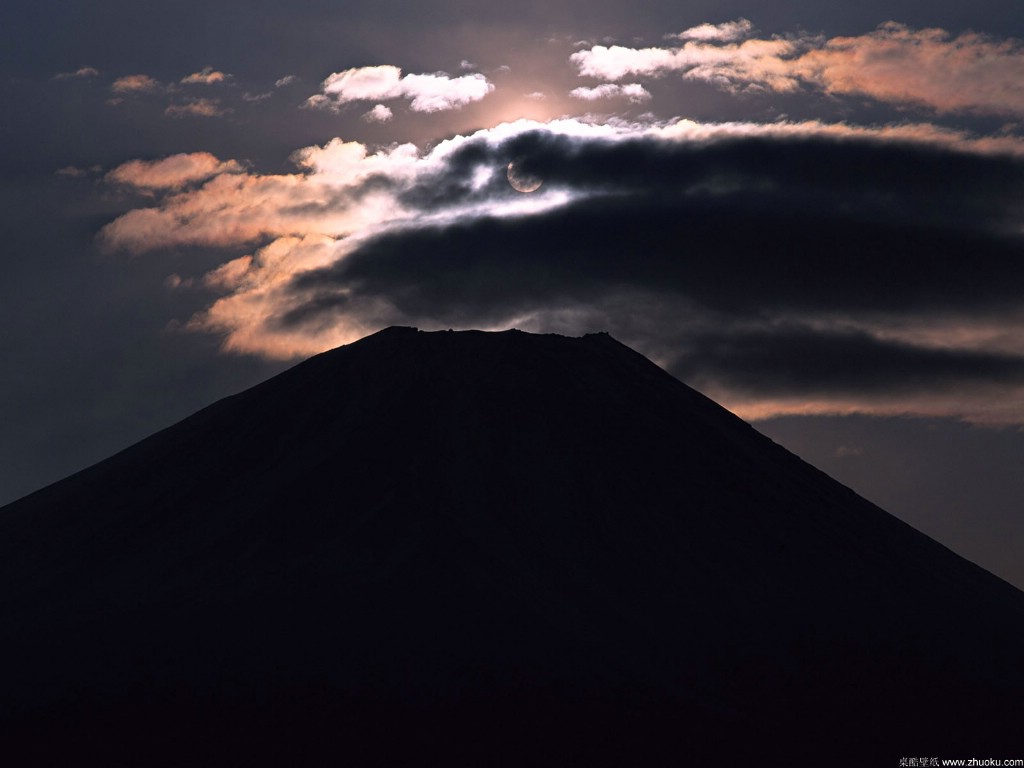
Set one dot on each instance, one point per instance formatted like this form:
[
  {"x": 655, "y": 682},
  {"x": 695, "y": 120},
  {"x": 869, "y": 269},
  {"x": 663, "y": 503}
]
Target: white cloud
[
  {"x": 727, "y": 32},
  {"x": 426, "y": 93},
  {"x": 379, "y": 114},
  {"x": 364, "y": 84},
  {"x": 438, "y": 92},
  {"x": 635, "y": 92},
  {"x": 910, "y": 133},
  {"x": 286, "y": 80},
  {"x": 894, "y": 63},
  {"x": 758, "y": 62}
]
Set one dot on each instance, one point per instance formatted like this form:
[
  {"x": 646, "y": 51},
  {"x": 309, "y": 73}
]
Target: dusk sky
[{"x": 811, "y": 212}]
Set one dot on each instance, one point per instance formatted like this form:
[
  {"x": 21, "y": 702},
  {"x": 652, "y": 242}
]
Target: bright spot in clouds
[
  {"x": 520, "y": 180},
  {"x": 395, "y": 213}
]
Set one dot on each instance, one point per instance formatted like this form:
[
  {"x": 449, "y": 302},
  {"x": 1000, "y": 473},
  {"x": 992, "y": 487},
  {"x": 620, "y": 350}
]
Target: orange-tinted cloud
[
  {"x": 206, "y": 76},
  {"x": 197, "y": 108},
  {"x": 134, "y": 84},
  {"x": 342, "y": 195},
  {"x": 79, "y": 73},
  {"x": 926, "y": 67},
  {"x": 233, "y": 208},
  {"x": 172, "y": 172},
  {"x": 894, "y": 63}
]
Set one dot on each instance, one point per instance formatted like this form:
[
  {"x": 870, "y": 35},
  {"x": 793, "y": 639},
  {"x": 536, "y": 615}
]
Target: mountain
[{"x": 469, "y": 548}]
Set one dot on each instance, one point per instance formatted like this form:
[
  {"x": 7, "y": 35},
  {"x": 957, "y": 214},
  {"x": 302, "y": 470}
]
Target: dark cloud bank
[{"x": 753, "y": 265}]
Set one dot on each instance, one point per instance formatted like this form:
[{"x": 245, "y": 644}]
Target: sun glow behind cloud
[{"x": 330, "y": 251}]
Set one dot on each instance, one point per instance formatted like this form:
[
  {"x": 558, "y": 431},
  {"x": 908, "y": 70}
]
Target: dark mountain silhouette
[{"x": 485, "y": 549}]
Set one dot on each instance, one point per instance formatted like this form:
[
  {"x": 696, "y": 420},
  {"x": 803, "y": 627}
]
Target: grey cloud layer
[
  {"x": 890, "y": 255},
  {"x": 777, "y": 268}
]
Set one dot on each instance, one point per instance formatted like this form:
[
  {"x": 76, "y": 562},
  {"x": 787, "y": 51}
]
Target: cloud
[
  {"x": 82, "y": 72},
  {"x": 340, "y": 189},
  {"x": 894, "y": 63},
  {"x": 286, "y": 80},
  {"x": 426, "y": 93},
  {"x": 759, "y": 62},
  {"x": 174, "y": 172},
  {"x": 970, "y": 72},
  {"x": 379, "y": 114},
  {"x": 727, "y": 32},
  {"x": 197, "y": 108},
  {"x": 134, "y": 84},
  {"x": 782, "y": 268},
  {"x": 206, "y": 76},
  {"x": 635, "y": 92}
]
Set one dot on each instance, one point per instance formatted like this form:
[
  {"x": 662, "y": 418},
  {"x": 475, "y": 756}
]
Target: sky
[{"x": 811, "y": 212}]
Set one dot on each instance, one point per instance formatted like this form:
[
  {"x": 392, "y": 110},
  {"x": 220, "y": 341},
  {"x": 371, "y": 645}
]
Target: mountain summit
[{"x": 487, "y": 548}]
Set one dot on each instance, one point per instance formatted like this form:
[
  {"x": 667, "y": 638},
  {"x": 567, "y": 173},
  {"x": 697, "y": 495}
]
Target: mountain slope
[{"x": 478, "y": 539}]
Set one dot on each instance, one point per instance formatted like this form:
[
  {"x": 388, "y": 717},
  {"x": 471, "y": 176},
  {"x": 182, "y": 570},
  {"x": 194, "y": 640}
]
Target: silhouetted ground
[{"x": 487, "y": 549}]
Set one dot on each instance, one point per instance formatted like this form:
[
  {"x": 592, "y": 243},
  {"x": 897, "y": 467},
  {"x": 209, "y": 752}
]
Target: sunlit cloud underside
[{"x": 758, "y": 260}]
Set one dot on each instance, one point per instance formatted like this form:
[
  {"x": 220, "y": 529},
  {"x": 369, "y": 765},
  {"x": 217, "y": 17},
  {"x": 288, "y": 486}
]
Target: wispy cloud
[
  {"x": 206, "y": 76},
  {"x": 197, "y": 108},
  {"x": 82, "y": 72},
  {"x": 325, "y": 197},
  {"x": 134, "y": 84},
  {"x": 927, "y": 67},
  {"x": 171, "y": 173},
  {"x": 286, "y": 80},
  {"x": 634, "y": 92},
  {"x": 426, "y": 93},
  {"x": 725, "y": 32},
  {"x": 894, "y": 63}
]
